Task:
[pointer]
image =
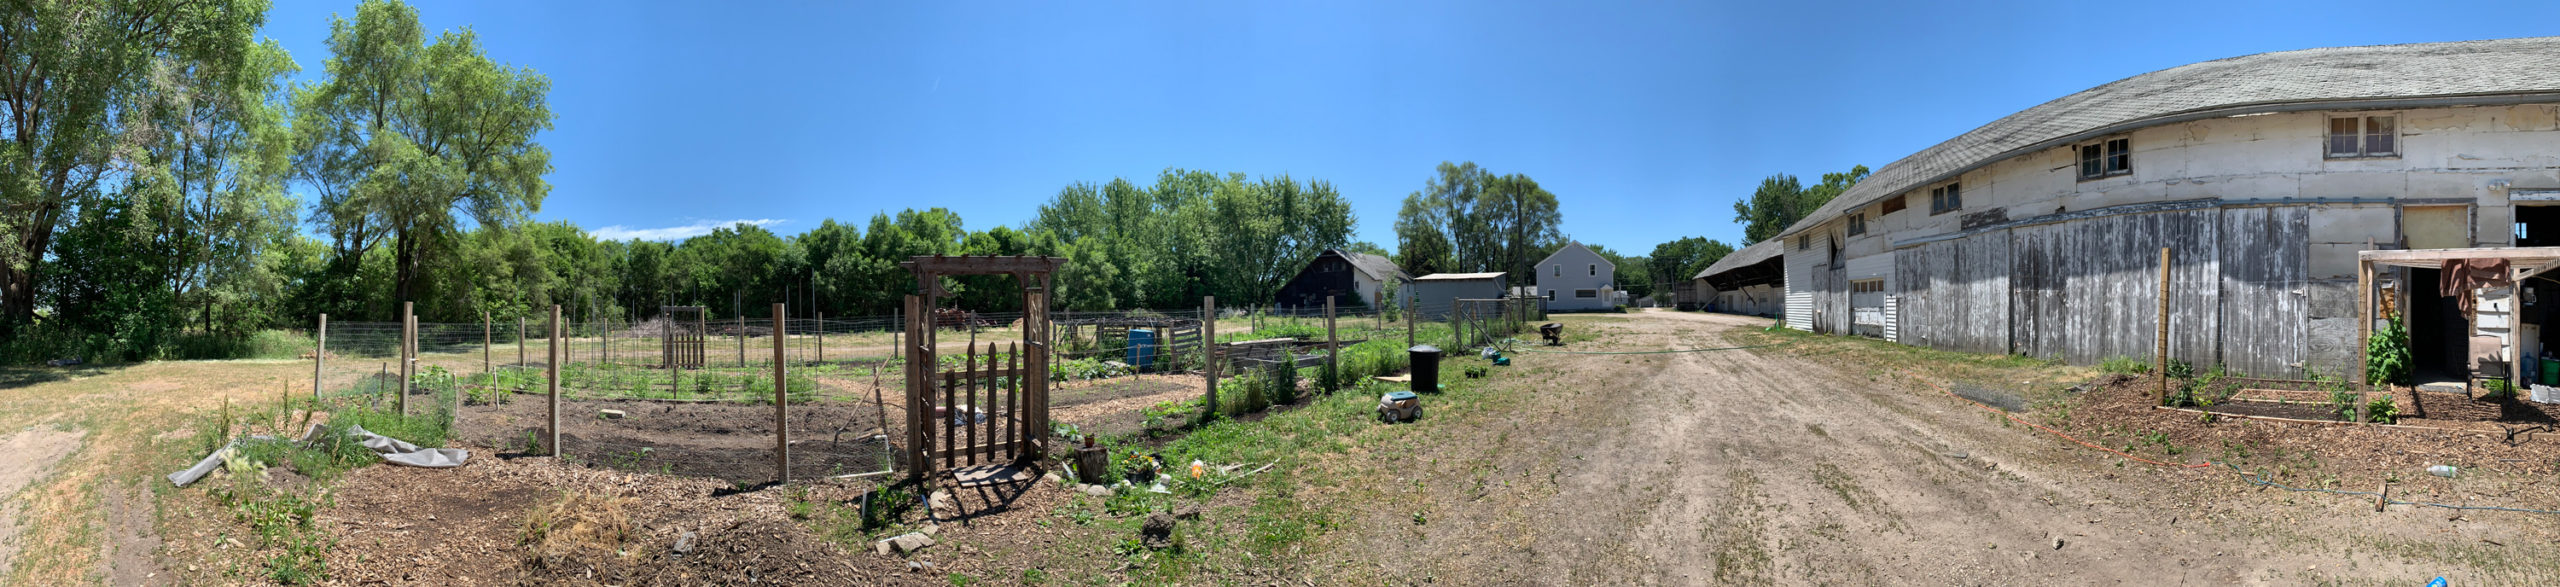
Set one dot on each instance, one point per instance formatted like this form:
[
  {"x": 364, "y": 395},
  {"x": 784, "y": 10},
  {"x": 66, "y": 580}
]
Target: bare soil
[
  {"x": 31, "y": 453},
  {"x": 732, "y": 442},
  {"x": 1820, "y": 466}
]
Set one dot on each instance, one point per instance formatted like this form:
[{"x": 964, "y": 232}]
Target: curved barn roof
[
  {"x": 1748, "y": 256},
  {"x": 2379, "y": 76}
]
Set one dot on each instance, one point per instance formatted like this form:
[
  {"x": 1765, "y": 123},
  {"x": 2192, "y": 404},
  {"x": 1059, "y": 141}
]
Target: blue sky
[{"x": 1647, "y": 120}]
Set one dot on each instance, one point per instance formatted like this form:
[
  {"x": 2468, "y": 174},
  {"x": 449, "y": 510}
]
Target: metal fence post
[
  {"x": 319, "y": 355},
  {"x": 822, "y": 337},
  {"x": 781, "y": 402}
]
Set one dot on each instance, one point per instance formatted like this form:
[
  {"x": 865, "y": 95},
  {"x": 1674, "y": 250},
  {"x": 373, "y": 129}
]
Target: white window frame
[
  {"x": 2363, "y": 138},
  {"x": 1595, "y": 269},
  {"x": 2113, "y": 155}
]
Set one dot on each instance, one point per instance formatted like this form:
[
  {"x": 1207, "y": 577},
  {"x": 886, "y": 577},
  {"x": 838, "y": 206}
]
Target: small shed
[
  {"x": 1431, "y": 296},
  {"x": 1354, "y": 279}
]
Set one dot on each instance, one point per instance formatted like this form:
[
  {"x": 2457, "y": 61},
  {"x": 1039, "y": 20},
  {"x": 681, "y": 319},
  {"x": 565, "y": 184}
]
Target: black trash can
[{"x": 1426, "y": 368}]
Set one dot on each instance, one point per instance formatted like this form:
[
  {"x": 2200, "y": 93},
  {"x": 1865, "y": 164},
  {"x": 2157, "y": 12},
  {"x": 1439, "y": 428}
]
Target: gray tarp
[{"x": 393, "y": 450}]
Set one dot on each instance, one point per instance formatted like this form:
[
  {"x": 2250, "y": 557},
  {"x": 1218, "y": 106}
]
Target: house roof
[
  {"x": 1457, "y": 276},
  {"x": 1746, "y": 257},
  {"x": 1374, "y": 266},
  {"x": 2504, "y": 71},
  {"x": 1571, "y": 245}
]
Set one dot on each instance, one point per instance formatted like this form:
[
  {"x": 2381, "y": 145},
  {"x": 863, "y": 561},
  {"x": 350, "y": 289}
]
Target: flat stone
[
  {"x": 903, "y": 543},
  {"x": 684, "y": 543},
  {"x": 1095, "y": 490},
  {"x": 610, "y": 414},
  {"x": 1188, "y": 512},
  {"x": 931, "y": 528}
]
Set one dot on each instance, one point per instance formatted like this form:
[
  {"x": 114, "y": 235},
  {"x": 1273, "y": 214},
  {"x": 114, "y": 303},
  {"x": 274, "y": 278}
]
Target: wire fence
[{"x": 692, "y": 394}]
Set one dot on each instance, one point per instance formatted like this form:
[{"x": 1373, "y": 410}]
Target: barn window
[
  {"x": 1946, "y": 198},
  {"x": 2363, "y": 136},
  {"x": 1804, "y": 242},
  {"x": 1892, "y": 205},
  {"x": 1857, "y": 224},
  {"x": 1867, "y": 286},
  {"x": 2107, "y": 158}
]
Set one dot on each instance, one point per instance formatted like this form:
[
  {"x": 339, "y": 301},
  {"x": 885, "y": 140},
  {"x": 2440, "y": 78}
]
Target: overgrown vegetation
[
  {"x": 2126, "y": 365},
  {"x": 2386, "y": 355}
]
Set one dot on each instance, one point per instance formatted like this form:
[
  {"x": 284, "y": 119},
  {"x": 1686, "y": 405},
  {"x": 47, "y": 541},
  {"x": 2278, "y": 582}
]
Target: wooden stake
[
  {"x": 1209, "y": 350},
  {"x": 551, "y": 385},
  {"x": 487, "y": 337},
  {"x": 1332, "y": 349},
  {"x": 2162, "y": 364},
  {"x": 408, "y": 352},
  {"x": 781, "y": 402},
  {"x": 319, "y": 355},
  {"x": 520, "y": 342}
]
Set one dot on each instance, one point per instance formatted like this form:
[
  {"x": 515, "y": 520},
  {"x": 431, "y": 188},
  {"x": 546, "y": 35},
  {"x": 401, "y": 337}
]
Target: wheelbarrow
[{"x": 1554, "y": 333}]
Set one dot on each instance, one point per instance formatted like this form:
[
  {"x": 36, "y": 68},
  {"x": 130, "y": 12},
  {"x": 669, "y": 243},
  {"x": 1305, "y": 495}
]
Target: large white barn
[{"x": 2040, "y": 233}]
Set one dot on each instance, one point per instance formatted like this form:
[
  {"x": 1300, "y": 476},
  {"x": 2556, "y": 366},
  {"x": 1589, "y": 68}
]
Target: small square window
[
  {"x": 1857, "y": 224},
  {"x": 2363, "y": 136},
  {"x": 2106, "y": 158},
  {"x": 1946, "y": 198},
  {"x": 1804, "y": 243}
]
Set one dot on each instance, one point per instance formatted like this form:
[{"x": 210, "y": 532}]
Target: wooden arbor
[{"x": 977, "y": 421}]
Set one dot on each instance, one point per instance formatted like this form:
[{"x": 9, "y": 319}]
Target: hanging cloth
[{"x": 2463, "y": 276}]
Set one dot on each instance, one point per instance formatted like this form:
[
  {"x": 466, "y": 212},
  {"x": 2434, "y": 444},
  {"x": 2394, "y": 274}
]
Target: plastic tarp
[{"x": 392, "y": 450}]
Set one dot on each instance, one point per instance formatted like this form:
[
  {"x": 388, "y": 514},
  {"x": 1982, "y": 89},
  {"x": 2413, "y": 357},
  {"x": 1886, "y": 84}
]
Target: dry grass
[{"x": 580, "y": 523}]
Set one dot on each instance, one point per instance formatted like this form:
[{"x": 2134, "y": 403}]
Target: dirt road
[{"x": 1763, "y": 466}]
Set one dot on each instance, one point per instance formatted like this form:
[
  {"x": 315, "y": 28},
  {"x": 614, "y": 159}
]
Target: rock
[
  {"x": 1050, "y": 478},
  {"x": 1095, "y": 490},
  {"x": 1158, "y": 531},
  {"x": 610, "y": 414},
  {"x": 931, "y": 528},
  {"x": 1188, "y": 512},
  {"x": 915, "y": 567},
  {"x": 2057, "y": 544},
  {"x": 903, "y": 543},
  {"x": 684, "y": 543}
]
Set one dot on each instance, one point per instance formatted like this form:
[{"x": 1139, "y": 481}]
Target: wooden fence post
[
  {"x": 1209, "y": 352},
  {"x": 408, "y": 352},
  {"x": 2163, "y": 333},
  {"x": 1332, "y": 350},
  {"x": 520, "y": 342},
  {"x": 822, "y": 337},
  {"x": 781, "y": 400},
  {"x": 551, "y": 370},
  {"x": 488, "y": 336},
  {"x": 742, "y": 340},
  {"x": 319, "y": 355}
]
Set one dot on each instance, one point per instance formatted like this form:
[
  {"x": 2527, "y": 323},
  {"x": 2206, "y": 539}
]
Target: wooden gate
[
  {"x": 681, "y": 337},
  {"x": 986, "y": 421}
]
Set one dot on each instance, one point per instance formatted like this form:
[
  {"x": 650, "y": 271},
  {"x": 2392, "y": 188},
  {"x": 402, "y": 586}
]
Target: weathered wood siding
[
  {"x": 2089, "y": 290},
  {"x": 2264, "y": 291},
  {"x": 1955, "y": 294}
]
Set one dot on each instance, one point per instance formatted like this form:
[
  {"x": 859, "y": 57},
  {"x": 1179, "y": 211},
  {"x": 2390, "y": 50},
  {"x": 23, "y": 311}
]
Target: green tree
[
  {"x": 1484, "y": 223},
  {"x": 76, "y": 73},
  {"x": 1682, "y": 259},
  {"x": 403, "y": 134},
  {"x": 1781, "y": 201}
]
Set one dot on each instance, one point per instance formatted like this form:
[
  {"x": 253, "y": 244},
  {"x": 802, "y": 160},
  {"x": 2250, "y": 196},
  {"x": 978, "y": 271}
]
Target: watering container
[{"x": 2550, "y": 372}]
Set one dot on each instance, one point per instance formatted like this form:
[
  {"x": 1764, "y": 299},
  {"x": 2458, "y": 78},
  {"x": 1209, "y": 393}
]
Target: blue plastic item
[
  {"x": 1399, "y": 395},
  {"x": 1142, "y": 348}
]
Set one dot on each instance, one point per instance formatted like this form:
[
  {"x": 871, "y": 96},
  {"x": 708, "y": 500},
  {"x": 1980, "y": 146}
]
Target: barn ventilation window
[
  {"x": 2363, "y": 136},
  {"x": 1804, "y": 242},
  {"x": 1946, "y": 198},
  {"x": 1892, "y": 205},
  {"x": 1857, "y": 224},
  {"x": 2106, "y": 158}
]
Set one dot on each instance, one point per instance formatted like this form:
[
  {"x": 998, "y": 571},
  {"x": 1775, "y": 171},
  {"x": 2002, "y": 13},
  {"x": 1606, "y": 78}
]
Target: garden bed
[{"x": 732, "y": 442}]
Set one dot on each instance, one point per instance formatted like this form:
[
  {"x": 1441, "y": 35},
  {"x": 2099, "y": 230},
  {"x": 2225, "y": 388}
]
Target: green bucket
[{"x": 2550, "y": 372}]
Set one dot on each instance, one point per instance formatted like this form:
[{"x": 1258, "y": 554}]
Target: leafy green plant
[
  {"x": 2382, "y": 410},
  {"x": 2181, "y": 369},
  {"x": 2499, "y": 389},
  {"x": 2386, "y": 355}
]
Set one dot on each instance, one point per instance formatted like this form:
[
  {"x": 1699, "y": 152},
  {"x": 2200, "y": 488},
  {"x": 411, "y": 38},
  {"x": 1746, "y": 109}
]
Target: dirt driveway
[{"x": 1764, "y": 466}]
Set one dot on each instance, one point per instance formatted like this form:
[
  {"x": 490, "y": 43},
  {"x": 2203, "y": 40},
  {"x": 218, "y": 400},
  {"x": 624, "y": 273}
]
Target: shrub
[
  {"x": 2382, "y": 410},
  {"x": 2386, "y": 355},
  {"x": 2126, "y": 365}
]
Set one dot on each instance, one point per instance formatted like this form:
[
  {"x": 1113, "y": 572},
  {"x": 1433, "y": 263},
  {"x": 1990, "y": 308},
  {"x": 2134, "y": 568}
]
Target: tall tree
[
  {"x": 403, "y": 135},
  {"x": 1682, "y": 259},
  {"x": 1484, "y": 222},
  {"x": 1780, "y": 201},
  {"x": 72, "y": 69}
]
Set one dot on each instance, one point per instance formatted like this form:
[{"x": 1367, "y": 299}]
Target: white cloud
[{"x": 671, "y": 233}]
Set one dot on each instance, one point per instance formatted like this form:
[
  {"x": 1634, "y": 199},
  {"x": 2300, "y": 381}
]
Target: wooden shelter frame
[
  {"x": 2522, "y": 262},
  {"x": 1012, "y": 429}
]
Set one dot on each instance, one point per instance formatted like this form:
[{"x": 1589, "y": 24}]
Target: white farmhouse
[{"x": 1577, "y": 279}]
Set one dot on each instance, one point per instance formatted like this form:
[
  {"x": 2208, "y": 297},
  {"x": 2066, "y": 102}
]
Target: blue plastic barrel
[{"x": 1142, "y": 348}]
